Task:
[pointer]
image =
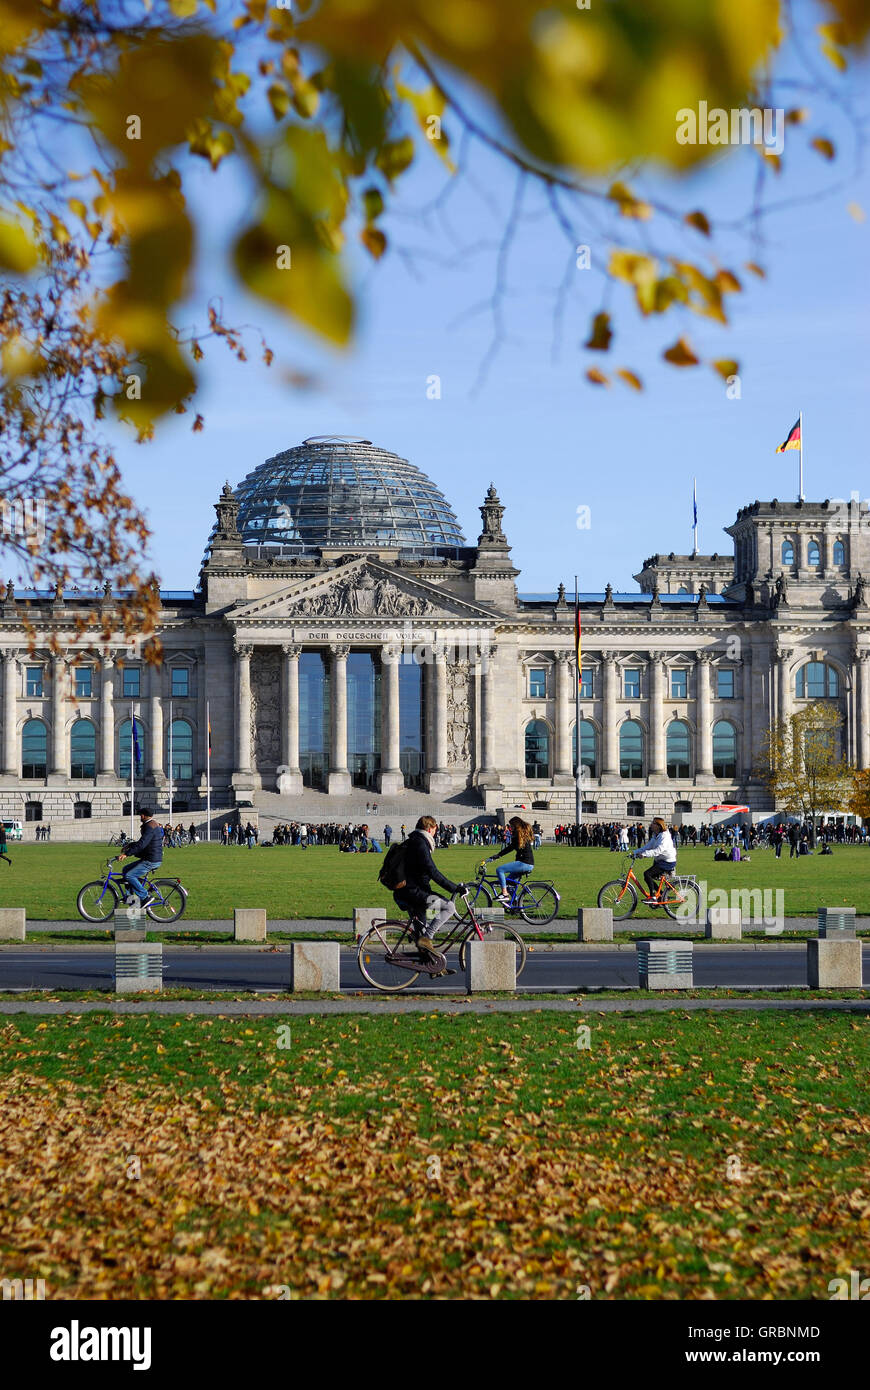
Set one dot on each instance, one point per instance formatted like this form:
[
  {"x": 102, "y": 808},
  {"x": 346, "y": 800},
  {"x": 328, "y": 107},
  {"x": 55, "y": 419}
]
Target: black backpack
[{"x": 392, "y": 871}]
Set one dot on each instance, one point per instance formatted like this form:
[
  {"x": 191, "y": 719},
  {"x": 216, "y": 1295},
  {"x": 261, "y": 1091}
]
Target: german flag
[{"x": 793, "y": 439}]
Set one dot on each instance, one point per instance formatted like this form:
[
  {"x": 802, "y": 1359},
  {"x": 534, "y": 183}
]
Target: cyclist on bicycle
[
  {"x": 520, "y": 846},
  {"x": 148, "y": 850},
  {"x": 414, "y": 895},
  {"x": 660, "y": 848}
]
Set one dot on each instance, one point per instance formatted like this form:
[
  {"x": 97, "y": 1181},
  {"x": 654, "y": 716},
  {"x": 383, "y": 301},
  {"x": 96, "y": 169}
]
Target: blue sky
[{"x": 547, "y": 439}]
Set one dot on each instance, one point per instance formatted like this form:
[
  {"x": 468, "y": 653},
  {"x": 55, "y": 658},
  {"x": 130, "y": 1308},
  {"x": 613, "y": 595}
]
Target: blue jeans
[
  {"x": 134, "y": 875},
  {"x": 516, "y": 868}
]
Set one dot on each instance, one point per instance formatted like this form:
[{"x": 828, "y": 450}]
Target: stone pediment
[{"x": 359, "y": 589}]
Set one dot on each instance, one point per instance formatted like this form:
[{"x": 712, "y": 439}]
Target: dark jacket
[
  {"x": 522, "y": 856},
  {"x": 150, "y": 843},
  {"x": 420, "y": 867}
]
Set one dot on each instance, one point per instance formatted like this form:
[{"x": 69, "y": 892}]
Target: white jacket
[{"x": 661, "y": 846}]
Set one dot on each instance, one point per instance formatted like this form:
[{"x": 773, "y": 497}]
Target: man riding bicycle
[
  {"x": 660, "y": 848},
  {"x": 414, "y": 895},
  {"x": 148, "y": 850}
]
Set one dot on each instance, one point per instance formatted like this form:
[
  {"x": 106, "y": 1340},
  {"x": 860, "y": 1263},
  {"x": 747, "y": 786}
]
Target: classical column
[
  {"x": 59, "y": 766},
  {"x": 609, "y": 760},
  {"x": 155, "y": 719},
  {"x": 487, "y": 774},
  {"x": 783, "y": 657},
  {"x": 704, "y": 721},
  {"x": 862, "y": 660},
  {"x": 439, "y": 775},
  {"x": 658, "y": 762},
  {"x": 10, "y": 710},
  {"x": 748, "y": 731},
  {"x": 392, "y": 779},
  {"x": 339, "y": 774},
  {"x": 107, "y": 719},
  {"x": 243, "y": 713},
  {"x": 289, "y": 773},
  {"x": 564, "y": 757}
]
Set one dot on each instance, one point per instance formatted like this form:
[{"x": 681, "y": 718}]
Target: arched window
[
  {"x": 34, "y": 749},
  {"x": 537, "y": 749},
  {"x": 682, "y": 590},
  {"x": 724, "y": 749},
  {"x": 814, "y": 555},
  {"x": 180, "y": 761},
  {"x": 678, "y": 749},
  {"x": 588, "y": 748},
  {"x": 787, "y": 553},
  {"x": 83, "y": 749},
  {"x": 839, "y": 553},
  {"x": 816, "y": 681},
  {"x": 631, "y": 749}
]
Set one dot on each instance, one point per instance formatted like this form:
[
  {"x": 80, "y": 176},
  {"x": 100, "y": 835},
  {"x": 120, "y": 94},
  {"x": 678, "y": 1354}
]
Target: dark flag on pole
[{"x": 136, "y": 750}]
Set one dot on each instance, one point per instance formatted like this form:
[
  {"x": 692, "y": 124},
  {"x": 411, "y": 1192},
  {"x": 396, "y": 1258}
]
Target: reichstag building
[{"x": 347, "y": 640}]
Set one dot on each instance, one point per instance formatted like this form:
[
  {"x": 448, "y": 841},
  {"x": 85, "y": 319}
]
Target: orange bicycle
[{"x": 678, "y": 895}]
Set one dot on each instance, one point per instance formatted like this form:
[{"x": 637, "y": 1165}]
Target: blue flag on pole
[
  {"x": 695, "y": 502},
  {"x": 136, "y": 750}
]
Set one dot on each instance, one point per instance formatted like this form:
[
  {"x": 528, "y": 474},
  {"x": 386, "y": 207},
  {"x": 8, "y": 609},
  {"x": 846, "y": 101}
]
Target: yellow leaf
[
  {"x": 17, "y": 252},
  {"x": 395, "y": 157},
  {"x": 756, "y": 269},
  {"x": 698, "y": 220},
  {"x": 630, "y": 378},
  {"x": 599, "y": 338},
  {"x": 374, "y": 241},
  {"x": 597, "y": 378},
  {"x": 728, "y": 282},
  {"x": 726, "y": 366},
  {"x": 856, "y": 212},
  {"x": 824, "y": 146},
  {"x": 183, "y": 8},
  {"x": 629, "y": 204},
  {"x": 279, "y": 100},
  {"x": 680, "y": 354}
]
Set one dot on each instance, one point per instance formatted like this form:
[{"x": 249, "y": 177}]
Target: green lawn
[
  {"x": 320, "y": 882},
  {"x": 676, "y": 1156}
]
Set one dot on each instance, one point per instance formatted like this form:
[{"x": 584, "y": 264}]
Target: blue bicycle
[
  {"x": 97, "y": 901},
  {"x": 536, "y": 902}
]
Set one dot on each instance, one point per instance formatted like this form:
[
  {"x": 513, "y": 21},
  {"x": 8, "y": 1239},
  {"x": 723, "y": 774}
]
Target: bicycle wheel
[
  {"x": 620, "y": 897},
  {"x": 688, "y": 906},
  {"x": 480, "y": 894},
  {"x": 381, "y": 941},
  {"x": 537, "y": 903},
  {"x": 170, "y": 900},
  {"x": 510, "y": 934},
  {"x": 96, "y": 902}
]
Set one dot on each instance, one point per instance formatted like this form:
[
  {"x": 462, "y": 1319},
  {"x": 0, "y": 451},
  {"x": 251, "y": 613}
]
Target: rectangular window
[
  {"x": 679, "y": 685},
  {"x": 538, "y": 683},
  {"x": 180, "y": 680},
  {"x": 34, "y": 681},
  {"x": 84, "y": 684},
  {"x": 632, "y": 683},
  {"x": 725, "y": 684},
  {"x": 131, "y": 682},
  {"x": 587, "y": 685}
]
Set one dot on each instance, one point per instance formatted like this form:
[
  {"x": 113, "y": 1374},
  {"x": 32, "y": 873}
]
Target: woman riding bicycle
[
  {"x": 660, "y": 848},
  {"x": 520, "y": 846}
]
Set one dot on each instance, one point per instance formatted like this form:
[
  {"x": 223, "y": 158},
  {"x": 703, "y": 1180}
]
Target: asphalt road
[{"x": 548, "y": 968}]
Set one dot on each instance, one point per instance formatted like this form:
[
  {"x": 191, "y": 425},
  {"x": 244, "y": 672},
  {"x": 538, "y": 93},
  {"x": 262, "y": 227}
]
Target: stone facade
[{"x": 697, "y": 677}]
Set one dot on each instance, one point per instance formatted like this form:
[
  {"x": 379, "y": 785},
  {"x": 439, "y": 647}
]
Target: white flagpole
[
  {"x": 132, "y": 767},
  {"x": 801, "y": 491},
  {"x": 170, "y": 767},
  {"x": 695, "y": 516},
  {"x": 207, "y": 773}
]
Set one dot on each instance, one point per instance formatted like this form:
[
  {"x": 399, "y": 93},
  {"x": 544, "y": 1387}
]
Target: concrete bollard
[
  {"x": 723, "y": 924},
  {"x": 13, "y": 923},
  {"x": 834, "y": 964},
  {"x": 249, "y": 923},
  {"x": 837, "y": 923},
  {"x": 363, "y": 917},
  {"x": 315, "y": 967},
  {"x": 594, "y": 924},
  {"x": 664, "y": 964},
  {"x": 490, "y": 966},
  {"x": 129, "y": 924},
  {"x": 138, "y": 967}
]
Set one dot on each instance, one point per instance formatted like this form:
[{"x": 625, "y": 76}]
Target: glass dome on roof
[{"x": 335, "y": 491}]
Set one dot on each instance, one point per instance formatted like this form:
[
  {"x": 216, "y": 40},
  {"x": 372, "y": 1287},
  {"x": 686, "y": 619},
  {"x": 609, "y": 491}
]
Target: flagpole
[
  {"x": 208, "y": 774},
  {"x": 578, "y": 774},
  {"x": 695, "y": 517},
  {"x": 170, "y": 767},
  {"x": 801, "y": 489},
  {"x": 132, "y": 768}
]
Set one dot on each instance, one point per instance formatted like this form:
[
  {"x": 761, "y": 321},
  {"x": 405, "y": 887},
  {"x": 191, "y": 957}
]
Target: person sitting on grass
[
  {"x": 414, "y": 895},
  {"x": 661, "y": 850},
  {"x": 520, "y": 847},
  {"x": 148, "y": 850}
]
